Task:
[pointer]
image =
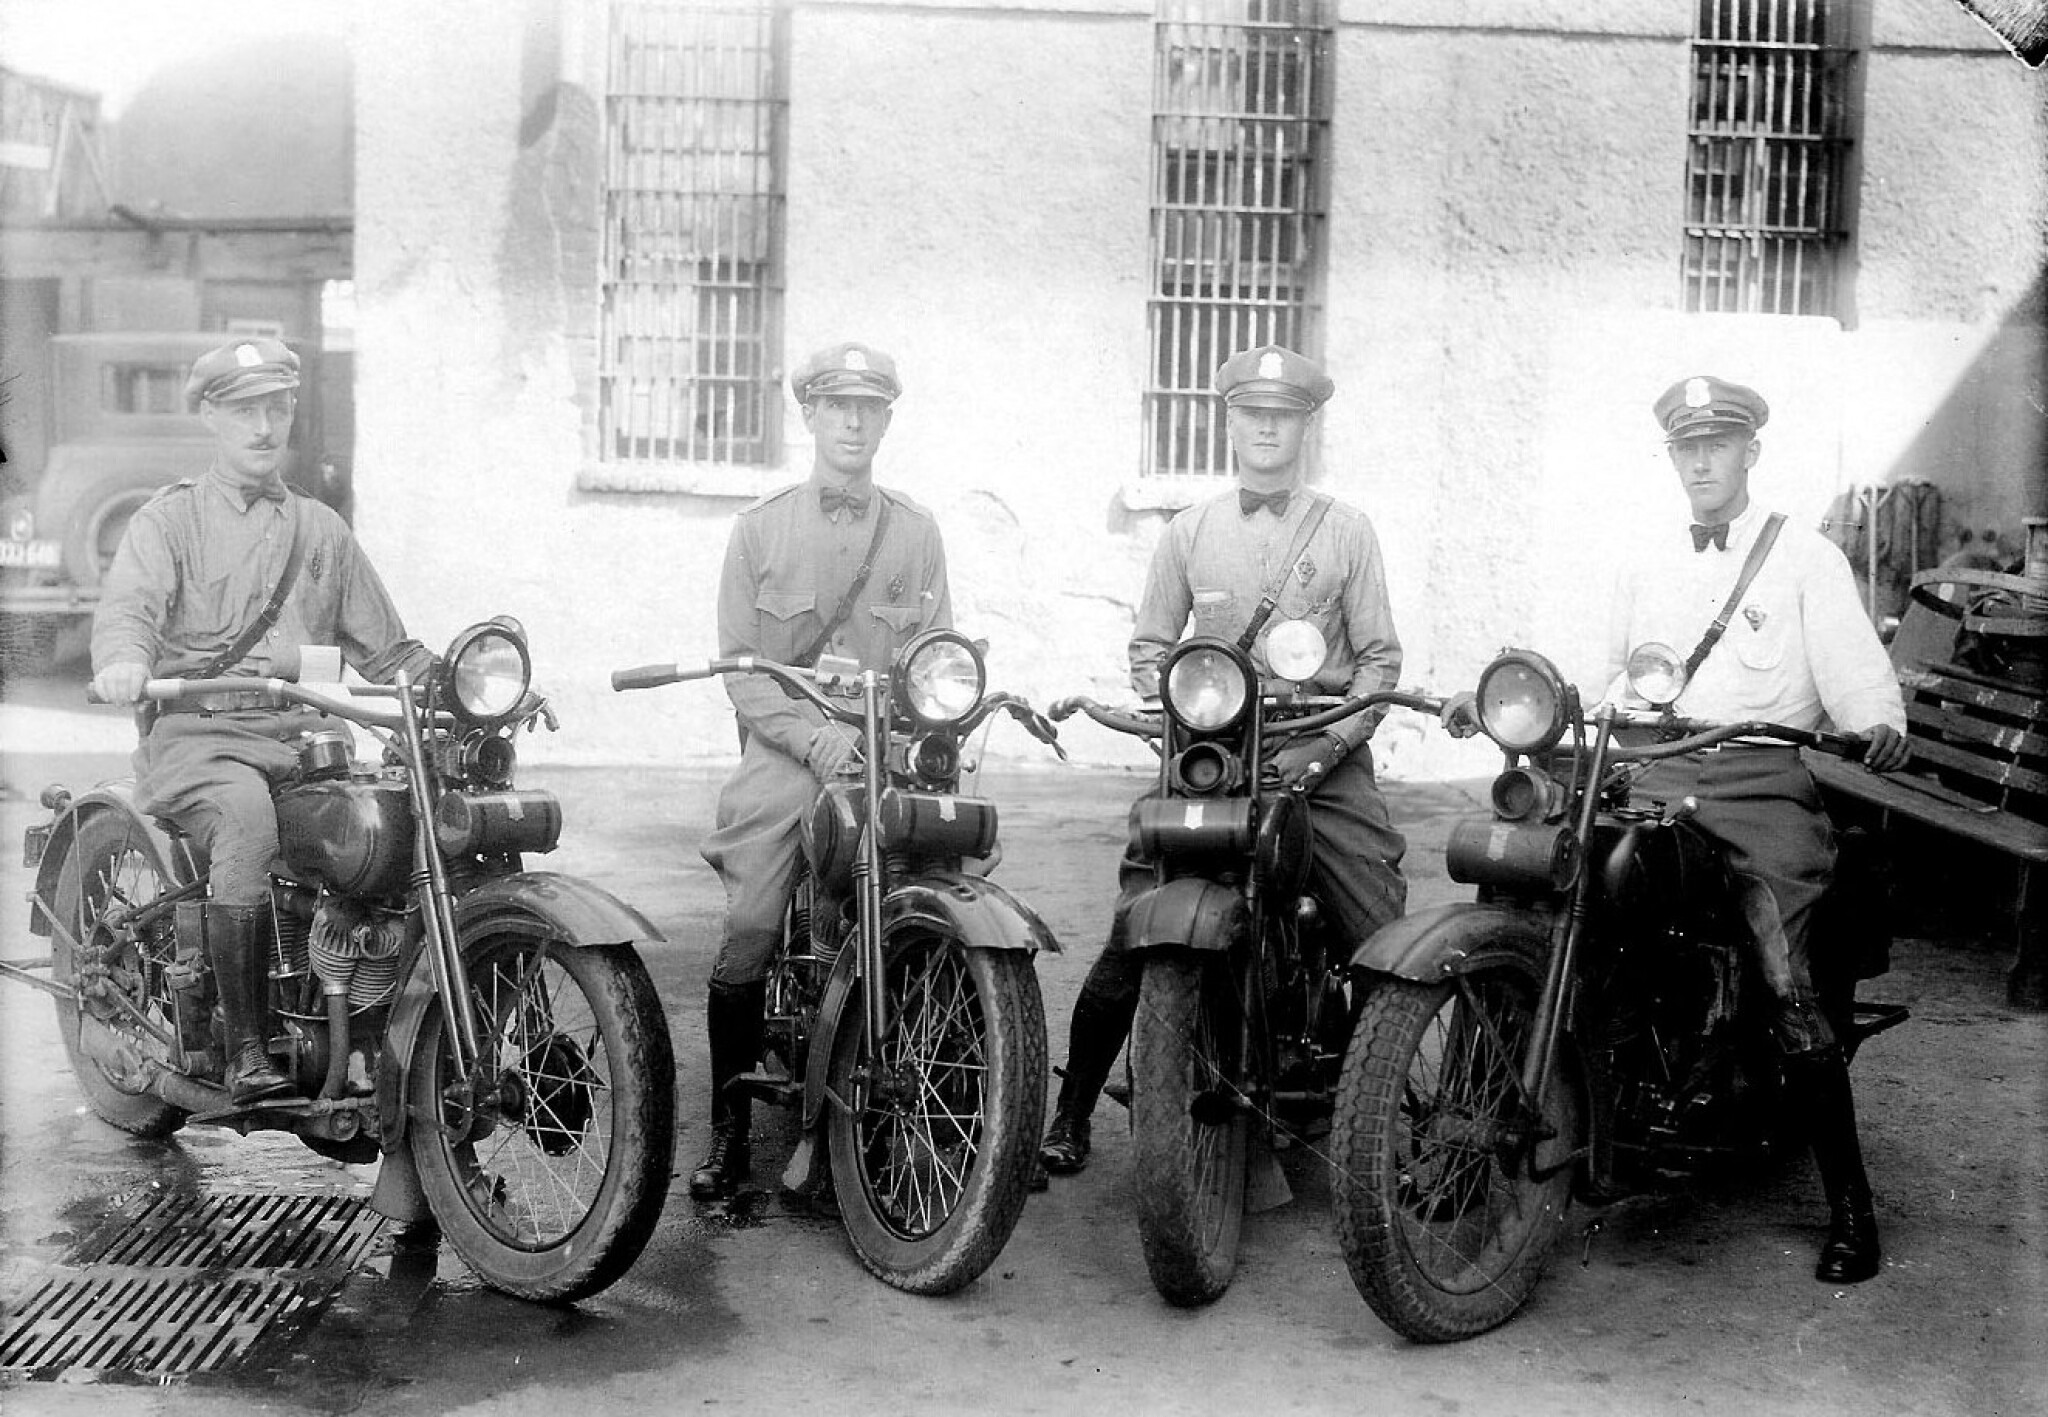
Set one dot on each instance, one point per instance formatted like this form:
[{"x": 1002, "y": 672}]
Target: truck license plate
[
  {"x": 33, "y": 555},
  {"x": 34, "y": 842}
]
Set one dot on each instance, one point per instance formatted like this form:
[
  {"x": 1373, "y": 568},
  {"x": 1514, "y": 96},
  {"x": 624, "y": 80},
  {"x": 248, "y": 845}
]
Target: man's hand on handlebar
[
  {"x": 832, "y": 749},
  {"x": 1460, "y": 716},
  {"x": 120, "y": 683},
  {"x": 1888, "y": 750},
  {"x": 1304, "y": 762}
]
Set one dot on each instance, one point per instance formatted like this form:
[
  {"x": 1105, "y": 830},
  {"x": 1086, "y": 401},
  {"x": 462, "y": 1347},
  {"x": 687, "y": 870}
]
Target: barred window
[
  {"x": 1769, "y": 134},
  {"x": 1240, "y": 130},
  {"x": 690, "y": 330}
]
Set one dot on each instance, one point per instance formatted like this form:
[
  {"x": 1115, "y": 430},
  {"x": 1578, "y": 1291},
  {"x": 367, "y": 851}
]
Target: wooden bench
[{"x": 1979, "y": 771}]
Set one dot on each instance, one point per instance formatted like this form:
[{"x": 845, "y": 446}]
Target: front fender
[
  {"x": 1189, "y": 913},
  {"x": 571, "y": 910},
  {"x": 116, "y": 797},
  {"x": 1431, "y": 945},
  {"x": 980, "y": 912}
]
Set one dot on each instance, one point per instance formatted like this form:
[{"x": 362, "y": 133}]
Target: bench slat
[
  {"x": 1897, "y": 792},
  {"x": 2001, "y": 773},
  {"x": 1995, "y": 738},
  {"x": 1934, "y": 680}
]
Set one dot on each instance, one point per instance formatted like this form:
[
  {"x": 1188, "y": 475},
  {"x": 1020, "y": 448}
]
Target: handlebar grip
[
  {"x": 645, "y": 676},
  {"x": 92, "y": 695}
]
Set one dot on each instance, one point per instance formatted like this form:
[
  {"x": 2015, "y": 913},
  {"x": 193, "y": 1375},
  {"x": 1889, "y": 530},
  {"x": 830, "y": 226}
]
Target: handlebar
[
  {"x": 1696, "y": 733},
  {"x": 1326, "y": 710},
  {"x": 795, "y": 677},
  {"x": 374, "y": 705}
]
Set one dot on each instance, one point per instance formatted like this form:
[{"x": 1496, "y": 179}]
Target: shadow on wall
[{"x": 1959, "y": 491}]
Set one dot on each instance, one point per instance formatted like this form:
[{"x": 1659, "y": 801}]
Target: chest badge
[
  {"x": 896, "y": 587},
  {"x": 316, "y": 564},
  {"x": 1755, "y": 617},
  {"x": 1305, "y": 569}
]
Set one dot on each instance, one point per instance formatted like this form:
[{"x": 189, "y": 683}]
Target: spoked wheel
[
  {"x": 108, "y": 943},
  {"x": 1189, "y": 1127},
  {"x": 932, "y": 1141},
  {"x": 1449, "y": 1191},
  {"x": 548, "y": 1181}
]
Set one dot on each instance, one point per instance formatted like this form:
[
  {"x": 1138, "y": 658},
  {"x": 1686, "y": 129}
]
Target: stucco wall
[{"x": 967, "y": 188}]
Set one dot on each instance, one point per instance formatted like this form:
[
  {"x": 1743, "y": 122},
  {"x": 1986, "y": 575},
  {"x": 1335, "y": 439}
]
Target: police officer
[
  {"x": 832, "y": 565},
  {"x": 200, "y": 561},
  {"x": 1214, "y": 564},
  {"x": 1798, "y": 650}
]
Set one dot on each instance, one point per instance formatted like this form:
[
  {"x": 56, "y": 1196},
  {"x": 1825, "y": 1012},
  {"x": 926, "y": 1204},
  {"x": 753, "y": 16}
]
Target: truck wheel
[
  {"x": 27, "y": 643},
  {"x": 91, "y": 516}
]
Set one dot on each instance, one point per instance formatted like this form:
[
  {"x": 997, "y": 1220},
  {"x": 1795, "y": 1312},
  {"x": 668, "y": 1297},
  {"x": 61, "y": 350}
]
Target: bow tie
[
  {"x": 834, "y": 499},
  {"x": 1701, "y": 535},
  {"x": 1249, "y": 501},
  {"x": 273, "y": 489}
]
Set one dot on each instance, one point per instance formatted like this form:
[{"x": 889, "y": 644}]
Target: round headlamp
[
  {"x": 1206, "y": 685},
  {"x": 1656, "y": 673},
  {"x": 1295, "y": 650},
  {"x": 1521, "y": 702},
  {"x": 940, "y": 678},
  {"x": 21, "y": 524},
  {"x": 488, "y": 671}
]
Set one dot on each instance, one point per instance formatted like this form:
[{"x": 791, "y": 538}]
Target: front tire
[
  {"x": 1449, "y": 1194},
  {"x": 1189, "y": 1127},
  {"x": 932, "y": 1146},
  {"x": 115, "y": 869},
  {"x": 552, "y": 1190}
]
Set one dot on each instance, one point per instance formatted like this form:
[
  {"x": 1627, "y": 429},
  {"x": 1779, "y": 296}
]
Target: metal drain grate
[{"x": 186, "y": 1284}]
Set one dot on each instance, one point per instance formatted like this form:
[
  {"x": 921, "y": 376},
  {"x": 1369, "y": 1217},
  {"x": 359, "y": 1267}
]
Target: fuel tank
[{"x": 354, "y": 837}]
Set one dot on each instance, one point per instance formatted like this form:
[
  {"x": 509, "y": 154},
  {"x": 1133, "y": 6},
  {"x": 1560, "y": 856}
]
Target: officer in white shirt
[{"x": 1799, "y": 651}]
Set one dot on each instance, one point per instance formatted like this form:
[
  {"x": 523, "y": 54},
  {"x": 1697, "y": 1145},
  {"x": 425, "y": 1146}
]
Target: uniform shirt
[
  {"x": 1213, "y": 566},
  {"x": 196, "y": 566},
  {"x": 787, "y": 567},
  {"x": 1798, "y": 648}
]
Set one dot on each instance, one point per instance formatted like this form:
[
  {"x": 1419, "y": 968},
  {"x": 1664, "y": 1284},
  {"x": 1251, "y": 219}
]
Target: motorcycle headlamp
[
  {"x": 488, "y": 671},
  {"x": 1205, "y": 686},
  {"x": 1521, "y": 702},
  {"x": 1295, "y": 650},
  {"x": 939, "y": 678},
  {"x": 21, "y": 525},
  {"x": 1656, "y": 673}
]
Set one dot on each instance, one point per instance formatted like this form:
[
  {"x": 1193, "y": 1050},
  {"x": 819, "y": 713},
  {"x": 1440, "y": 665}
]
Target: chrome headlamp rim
[
  {"x": 487, "y": 672},
  {"x": 1655, "y": 673},
  {"x": 939, "y": 678},
  {"x": 1213, "y": 665},
  {"x": 1521, "y": 702}
]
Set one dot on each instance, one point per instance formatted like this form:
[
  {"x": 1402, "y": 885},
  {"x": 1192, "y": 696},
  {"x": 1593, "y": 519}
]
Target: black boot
[
  {"x": 238, "y": 942},
  {"x": 732, "y": 1018},
  {"x": 1820, "y": 1081},
  {"x": 1102, "y": 1020}
]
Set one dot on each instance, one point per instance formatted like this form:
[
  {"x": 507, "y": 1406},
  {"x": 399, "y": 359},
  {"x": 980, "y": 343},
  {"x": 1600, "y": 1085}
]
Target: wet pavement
[{"x": 1700, "y": 1302}]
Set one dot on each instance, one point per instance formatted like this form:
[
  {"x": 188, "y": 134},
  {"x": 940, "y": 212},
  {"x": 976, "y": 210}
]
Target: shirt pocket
[
  {"x": 788, "y": 622},
  {"x": 902, "y": 621},
  {"x": 1759, "y": 634},
  {"x": 1215, "y": 612}
]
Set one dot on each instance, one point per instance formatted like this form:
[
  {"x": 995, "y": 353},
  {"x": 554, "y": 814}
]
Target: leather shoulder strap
[
  {"x": 860, "y": 580},
  {"x": 1757, "y": 552},
  {"x": 1269, "y": 599}
]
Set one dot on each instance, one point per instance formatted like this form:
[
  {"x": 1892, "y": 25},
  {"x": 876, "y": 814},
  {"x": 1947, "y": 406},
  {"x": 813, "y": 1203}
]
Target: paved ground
[{"x": 1695, "y": 1303}]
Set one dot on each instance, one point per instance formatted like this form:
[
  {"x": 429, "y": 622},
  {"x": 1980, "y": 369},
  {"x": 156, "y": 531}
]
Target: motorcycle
[
  {"x": 490, "y": 1032},
  {"x": 1244, "y": 1002},
  {"x": 1588, "y": 1025},
  {"x": 903, "y": 1017}
]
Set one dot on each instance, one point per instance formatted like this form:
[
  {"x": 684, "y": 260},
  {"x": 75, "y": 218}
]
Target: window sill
[
  {"x": 686, "y": 479},
  {"x": 1170, "y": 493}
]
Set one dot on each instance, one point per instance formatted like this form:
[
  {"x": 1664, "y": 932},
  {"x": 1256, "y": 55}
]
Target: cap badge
[
  {"x": 1271, "y": 365},
  {"x": 856, "y": 361},
  {"x": 1697, "y": 395},
  {"x": 247, "y": 356}
]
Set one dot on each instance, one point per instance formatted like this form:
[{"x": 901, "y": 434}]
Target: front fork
[{"x": 437, "y": 906}]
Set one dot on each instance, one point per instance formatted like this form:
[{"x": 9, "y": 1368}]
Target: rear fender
[
  {"x": 972, "y": 909},
  {"x": 117, "y": 798},
  {"x": 571, "y": 910},
  {"x": 1432, "y": 945},
  {"x": 1190, "y": 913}
]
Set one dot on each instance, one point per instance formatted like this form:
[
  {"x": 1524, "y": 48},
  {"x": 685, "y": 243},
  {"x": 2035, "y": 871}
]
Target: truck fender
[
  {"x": 1432, "y": 945},
  {"x": 573, "y": 910},
  {"x": 974, "y": 908},
  {"x": 115, "y": 797},
  {"x": 1189, "y": 913}
]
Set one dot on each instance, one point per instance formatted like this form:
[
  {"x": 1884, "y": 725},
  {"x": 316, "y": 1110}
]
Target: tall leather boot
[
  {"x": 238, "y": 941},
  {"x": 1820, "y": 1079},
  {"x": 1101, "y": 1023},
  {"x": 732, "y": 1018}
]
